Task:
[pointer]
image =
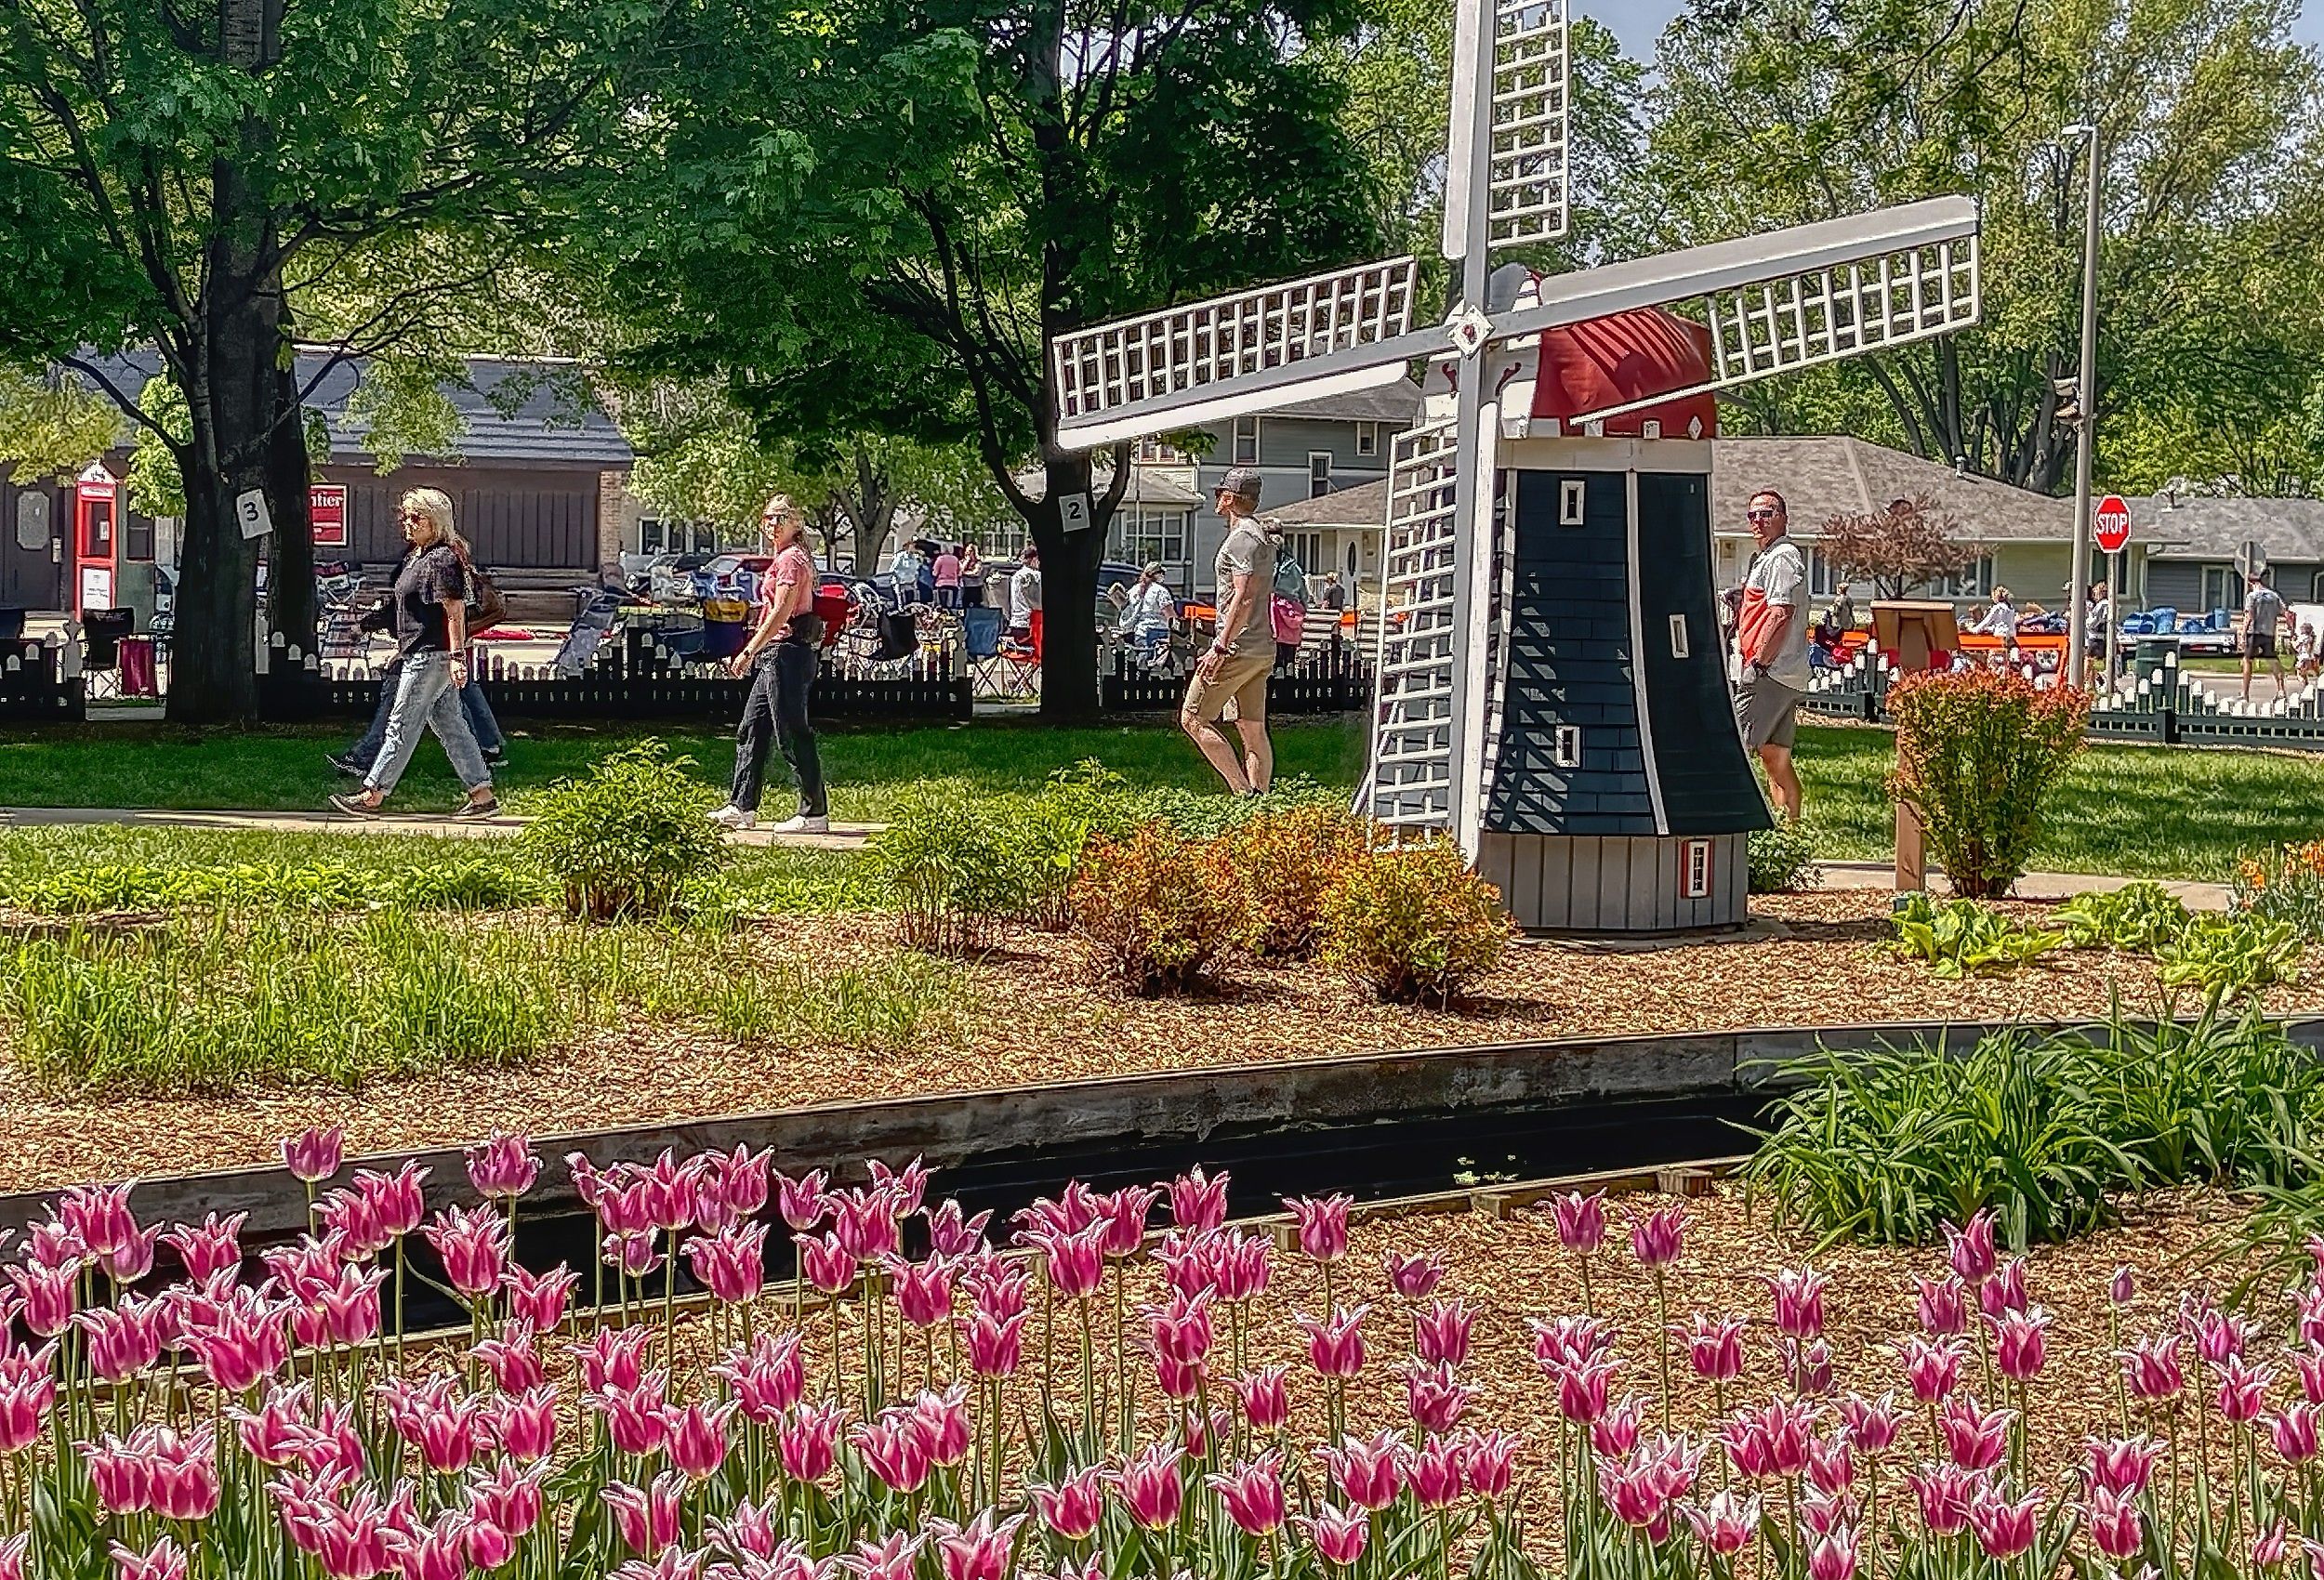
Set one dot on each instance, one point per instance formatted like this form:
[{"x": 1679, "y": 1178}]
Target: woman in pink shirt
[
  {"x": 948, "y": 576},
  {"x": 781, "y": 658}
]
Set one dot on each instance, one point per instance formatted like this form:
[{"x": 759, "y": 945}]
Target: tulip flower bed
[{"x": 1127, "y": 1386}]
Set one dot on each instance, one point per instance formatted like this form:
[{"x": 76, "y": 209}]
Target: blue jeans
[
  {"x": 425, "y": 695},
  {"x": 480, "y": 722}
]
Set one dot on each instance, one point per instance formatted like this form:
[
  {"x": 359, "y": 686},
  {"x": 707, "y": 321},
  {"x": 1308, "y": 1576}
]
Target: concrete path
[
  {"x": 2033, "y": 885},
  {"x": 843, "y": 836}
]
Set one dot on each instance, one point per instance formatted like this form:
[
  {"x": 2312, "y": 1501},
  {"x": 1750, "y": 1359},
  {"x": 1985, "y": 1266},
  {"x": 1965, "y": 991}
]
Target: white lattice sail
[
  {"x": 1228, "y": 355},
  {"x": 1526, "y": 171},
  {"x": 1410, "y": 779}
]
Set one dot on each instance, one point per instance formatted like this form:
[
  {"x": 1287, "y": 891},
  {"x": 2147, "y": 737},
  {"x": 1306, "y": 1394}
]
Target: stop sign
[{"x": 2113, "y": 523}]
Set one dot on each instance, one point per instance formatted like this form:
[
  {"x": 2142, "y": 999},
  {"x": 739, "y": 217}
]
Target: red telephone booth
[{"x": 96, "y": 524}]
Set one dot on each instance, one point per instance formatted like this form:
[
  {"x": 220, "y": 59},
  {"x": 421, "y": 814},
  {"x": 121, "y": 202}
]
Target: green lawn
[{"x": 2152, "y": 811}]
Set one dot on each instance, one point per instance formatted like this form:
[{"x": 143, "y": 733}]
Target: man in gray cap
[{"x": 1234, "y": 671}]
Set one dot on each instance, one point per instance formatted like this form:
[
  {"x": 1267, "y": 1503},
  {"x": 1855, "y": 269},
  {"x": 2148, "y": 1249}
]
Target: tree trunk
[
  {"x": 1069, "y": 595},
  {"x": 291, "y": 552}
]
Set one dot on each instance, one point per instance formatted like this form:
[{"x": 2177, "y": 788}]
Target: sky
[{"x": 1636, "y": 22}]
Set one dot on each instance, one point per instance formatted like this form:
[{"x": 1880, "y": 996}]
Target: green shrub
[
  {"x": 1208, "y": 814},
  {"x": 1887, "y": 1146},
  {"x": 621, "y": 842},
  {"x": 1159, "y": 906},
  {"x": 2221, "y": 956},
  {"x": 1782, "y": 858},
  {"x": 1976, "y": 755},
  {"x": 1412, "y": 923},
  {"x": 2138, "y": 918},
  {"x": 1283, "y": 862},
  {"x": 952, "y": 867},
  {"x": 1961, "y": 938}
]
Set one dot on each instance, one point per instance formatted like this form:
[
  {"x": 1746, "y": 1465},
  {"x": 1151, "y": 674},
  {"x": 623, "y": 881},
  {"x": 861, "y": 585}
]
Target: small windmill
[{"x": 1551, "y": 670}]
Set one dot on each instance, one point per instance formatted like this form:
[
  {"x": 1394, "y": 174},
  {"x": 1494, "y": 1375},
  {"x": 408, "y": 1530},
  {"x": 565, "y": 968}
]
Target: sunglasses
[{"x": 1761, "y": 515}]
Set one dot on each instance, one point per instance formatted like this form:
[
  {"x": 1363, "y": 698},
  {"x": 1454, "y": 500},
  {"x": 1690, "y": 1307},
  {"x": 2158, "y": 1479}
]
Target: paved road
[{"x": 843, "y": 836}]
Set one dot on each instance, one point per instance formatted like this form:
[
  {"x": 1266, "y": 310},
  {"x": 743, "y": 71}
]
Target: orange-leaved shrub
[
  {"x": 1411, "y": 922},
  {"x": 1283, "y": 861},
  {"x": 1977, "y": 754},
  {"x": 1159, "y": 906}
]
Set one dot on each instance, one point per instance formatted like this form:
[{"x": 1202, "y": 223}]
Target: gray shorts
[{"x": 1767, "y": 712}]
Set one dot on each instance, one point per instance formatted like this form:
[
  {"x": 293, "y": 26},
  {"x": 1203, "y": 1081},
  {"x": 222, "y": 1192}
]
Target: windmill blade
[
  {"x": 1790, "y": 299},
  {"x": 1185, "y": 366},
  {"x": 1410, "y": 783},
  {"x": 1525, "y": 166}
]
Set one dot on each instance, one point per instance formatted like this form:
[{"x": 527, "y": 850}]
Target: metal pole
[
  {"x": 2085, "y": 390},
  {"x": 2114, "y": 609}
]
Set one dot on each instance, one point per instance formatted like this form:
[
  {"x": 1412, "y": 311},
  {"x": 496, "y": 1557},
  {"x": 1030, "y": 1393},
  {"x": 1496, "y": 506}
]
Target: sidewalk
[
  {"x": 847, "y": 836},
  {"x": 2033, "y": 885}
]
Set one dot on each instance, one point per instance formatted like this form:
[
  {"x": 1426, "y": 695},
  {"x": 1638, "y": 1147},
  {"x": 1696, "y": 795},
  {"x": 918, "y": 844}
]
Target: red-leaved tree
[{"x": 1912, "y": 542}]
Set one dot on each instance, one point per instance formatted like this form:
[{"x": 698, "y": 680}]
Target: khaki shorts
[
  {"x": 1241, "y": 682},
  {"x": 1767, "y": 712}
]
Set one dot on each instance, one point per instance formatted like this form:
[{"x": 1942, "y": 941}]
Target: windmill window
[
  {"x": 1570, "y": 499},
  {"x": 1697, "y": 869},
  {"x": 1566, "y": 747},
  {"x": 1678, "y": 636}
]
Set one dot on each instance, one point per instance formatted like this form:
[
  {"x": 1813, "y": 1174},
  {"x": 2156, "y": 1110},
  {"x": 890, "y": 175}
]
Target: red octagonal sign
[{"x": 2113, "y": 523}]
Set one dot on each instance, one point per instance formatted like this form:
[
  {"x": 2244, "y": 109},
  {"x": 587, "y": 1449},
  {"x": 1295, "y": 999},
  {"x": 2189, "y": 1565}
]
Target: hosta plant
[{"x": 1961, "y": 938}]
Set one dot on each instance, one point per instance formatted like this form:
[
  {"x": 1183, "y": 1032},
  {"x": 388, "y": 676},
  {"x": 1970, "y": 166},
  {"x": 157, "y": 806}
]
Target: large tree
[
  {"x": 180, "y": 176},
  {"x": 1777, "y": 112},
  {"x": 874, "y": 216}
]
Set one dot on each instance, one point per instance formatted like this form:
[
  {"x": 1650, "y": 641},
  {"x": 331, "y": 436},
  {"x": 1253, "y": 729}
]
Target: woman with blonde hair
[{"x": 429, "y": 607}]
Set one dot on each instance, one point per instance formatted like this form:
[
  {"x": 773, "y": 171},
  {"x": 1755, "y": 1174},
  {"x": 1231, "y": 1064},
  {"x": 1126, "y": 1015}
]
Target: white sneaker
[
  {"x": 803, "y": 824},
  {"x": 734, "y": 817}
]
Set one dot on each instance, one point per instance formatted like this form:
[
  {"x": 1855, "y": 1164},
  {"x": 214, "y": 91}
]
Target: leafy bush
[
  {"x": 1977, "y": 754},
  {"x": 1206, "y": 815},
  {"x": 622, "y": 841},
  {"x": 953, "y": 867},
  {"x": 1782, "y": 858},
  {"x": 1159, "y": 906},
  {"x": 2138, "y": 917},
  {"x": 2221, "y": 956},
  {"x": 1412, "y": 923},
  {"x": 1961, "y": 938},
  {"x": 1888, "y": 1145},
  {"x": 2285, "y": 884},
  {"x": 1283, "y": 862}
]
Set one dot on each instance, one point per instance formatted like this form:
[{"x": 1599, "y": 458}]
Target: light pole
[{"x": 2078, "y": 609}]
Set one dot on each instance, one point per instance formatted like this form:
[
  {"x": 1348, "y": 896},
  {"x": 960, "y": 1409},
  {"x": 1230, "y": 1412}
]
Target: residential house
[{"x": 2191, "y": 549}]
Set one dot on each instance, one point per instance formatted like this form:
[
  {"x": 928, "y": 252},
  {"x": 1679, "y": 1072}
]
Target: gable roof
[
  {"x": 1398, "y": 403},
  {"x": 1362, "y": 506},
  {"x": 1835, "y": 475},
  {"x": 552, "y": 416},
  {"x": 1146, "y": 486}
]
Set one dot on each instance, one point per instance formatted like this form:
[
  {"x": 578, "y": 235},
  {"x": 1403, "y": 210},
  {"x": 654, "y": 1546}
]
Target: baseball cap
[{"x": 1241, "y": 482}]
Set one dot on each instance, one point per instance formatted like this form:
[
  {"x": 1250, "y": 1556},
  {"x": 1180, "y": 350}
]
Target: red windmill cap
[{"x": 1625, "y": 357}]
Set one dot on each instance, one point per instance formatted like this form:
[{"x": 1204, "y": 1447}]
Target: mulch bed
[{"x": 1040, "y": 1016}]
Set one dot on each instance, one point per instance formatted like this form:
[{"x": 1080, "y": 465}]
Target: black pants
[{"x": 777, "y": 709}]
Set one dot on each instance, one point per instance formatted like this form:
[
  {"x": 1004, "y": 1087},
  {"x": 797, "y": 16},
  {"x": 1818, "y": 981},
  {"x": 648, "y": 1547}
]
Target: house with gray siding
[{"x": 2190, "y": 548}]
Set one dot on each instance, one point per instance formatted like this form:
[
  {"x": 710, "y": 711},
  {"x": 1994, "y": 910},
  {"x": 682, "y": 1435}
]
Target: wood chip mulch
[{"x": 1040, "y": 1014}]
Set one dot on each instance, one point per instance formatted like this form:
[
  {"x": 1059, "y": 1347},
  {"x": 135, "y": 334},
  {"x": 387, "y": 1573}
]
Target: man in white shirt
[
  {"x": 1025, "y": 599},
  {"x": 1771, "y": 647},
  {"x": 2263, "y": 611}
]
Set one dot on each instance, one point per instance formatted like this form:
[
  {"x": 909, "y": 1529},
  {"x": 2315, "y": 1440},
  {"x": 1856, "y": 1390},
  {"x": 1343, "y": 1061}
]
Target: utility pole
[{"x": 2085, "y": 403}]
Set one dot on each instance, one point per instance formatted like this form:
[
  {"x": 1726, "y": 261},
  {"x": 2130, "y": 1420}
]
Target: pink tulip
[
  {"x": 864, "y": 1224},
  {"x": 1943, "y": 1307},
  {"x": 979, "y": 1550},
  {"x": 1771, "y": 1441},
  {"x": 514, "y": 1362},
  {"x": 473, "y": 1243},
  {"x": 2218, "y": 1337},
  {"x": 907, "y": 1187},
  {"x": 2121, "y": 1464},
  {"x": 122, "y": 1341},
  {"x": 1253, "y": 1493},
  {"x": 1615, "y": 1433},
  {"x": 271, "y": 1436},
  {"x": 1076, "y": 1261},
  {"x": 1441, "y": 1330},
  {"x": 2242, "y": 1390},
  {"x": 354, "y": 1215},
  {"x": 893, "y": 1450},
  {"x": 612, "y": 1358},
  {"x": 1976, "y": 1439},
  {"x": 1074, "y": 1506},
  {"x": 740, "y": 1179},
  {"x": 2122, "y": 1288},
  {"x": 1434, "y": 1396},
  {"x": 2005, "y": 1529},
  {"x": 120, "y": 1473},
  {"x": 1830, "y": 1465},
  {"x": 1581, "y": 1388},
  {"x": 2005, "y": 1290},
  {"x": 1335, "y": 1347},
  {"x": 647, "y": 1517},
  {"x": 46, "y": 1296},
  {"x": 810, "y": 1441},
  {"x": 28, "y": 1392},
  {"x": 343, "y": 1313},
  {"x": 1932, "y": 1368},
  {"x": 951, "y": 1234},
  {"x": 2150, "y": 1369},
  {"x": 239, "y": 1340},
  {"x": 1489, "y": 1461},
  {"x": 1323, "y": 1225},
  {"x": 210, "y": 1249},
  {"x": 2115, "y": 1526},
  {"x": 1633, "y": 1492},
  {"x": 538, "y": 1299},
  {"x": 398, "y": 1197},
  {"x": 12, "y": 1554},
  {"x": 1727, "y": 1524},
  {"x": 1568, "y": 1340},
  {"x": 768, "y": 1378},
  {"x": 826, "y": 1262},
  {"x": 1151, "y": 1486},
  {"x": 1658, "y": 1238},
  {"x": 697, "y": 1439},
  {"x": 1182, "y": 1330},
  {"x": 732, "y": 1264},
  {"x": 942, "y": 1422},
  {"x": 998, "y": 1286},
  {"x": 638, "y": 1420},
  {"x": 331, "y": 1445},
  {"x": 1242, "y": 1265},
  {"x": 504, "y": 1167},
  {"x": 487, "y": 1546},
  {"x": 1414, "y": 1277},
  {"x": 164, "y": 1560},
  {"x": 448, "y": 1429},
  {"x": 1580, "y": 1220},
  {"x": 525, "y": 1425},
  {"x": 181, "y": 1473},
  {"x": 754, "y": 1530},
  {"x": 438, "y": 1551},
  {"x": 1123, "y": 1214},
  {"x": 52, "y": 1245},
  {"x": 2311, "y": 1369},
  {"x": 1808, "y": 1362},
  {"x": 133, "y": 1259},
  {"x": 995, "y": 1348},
  {"x": 891, "y": 1560},
  {"x": 2271, "y": 1547},
  {"x": 1369, "y": 1471},
  {"x": 1438, "y": 1471},
  {"x": 98, "y": 1217},
  {"x": 2294, "y": 1432},
  {"x": 923, "y": 1290},
  {"x": 1198, "y": 1202},
  {"x": 625, "y": 1207},
  {"x": 672, "y": 1189},
  {"x": 510, "y": 1499},
  {"x": 2019, "y": 1349},
  {"x": 803, "y": 1202},
  {"x": 1340, "y": 1534},
  {"x": 1872, "y": 1423},
  {"x": 1970, "y": 1249},
  {"x": 1714, "y": 1347},
  {"x": 1944, "y": 1491},
  {"x": 1266, "y": 1404},
  {"x": 1799, "y": 1297}
]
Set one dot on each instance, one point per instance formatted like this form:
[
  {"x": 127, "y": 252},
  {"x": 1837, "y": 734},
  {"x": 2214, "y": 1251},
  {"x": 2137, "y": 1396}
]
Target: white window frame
[
  {"x": 1246, "y": 428},
  {"x": 2230, "y": 588},
  {"x": 1307, "y": 548},
  {"x": 1975, "y": 580},
  {"x": 652, "y": 535},
  {"x": 1317, "y": 486},
  {"x": 1367, "y": 438},
  {"x": 1141, "y": 533}
]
